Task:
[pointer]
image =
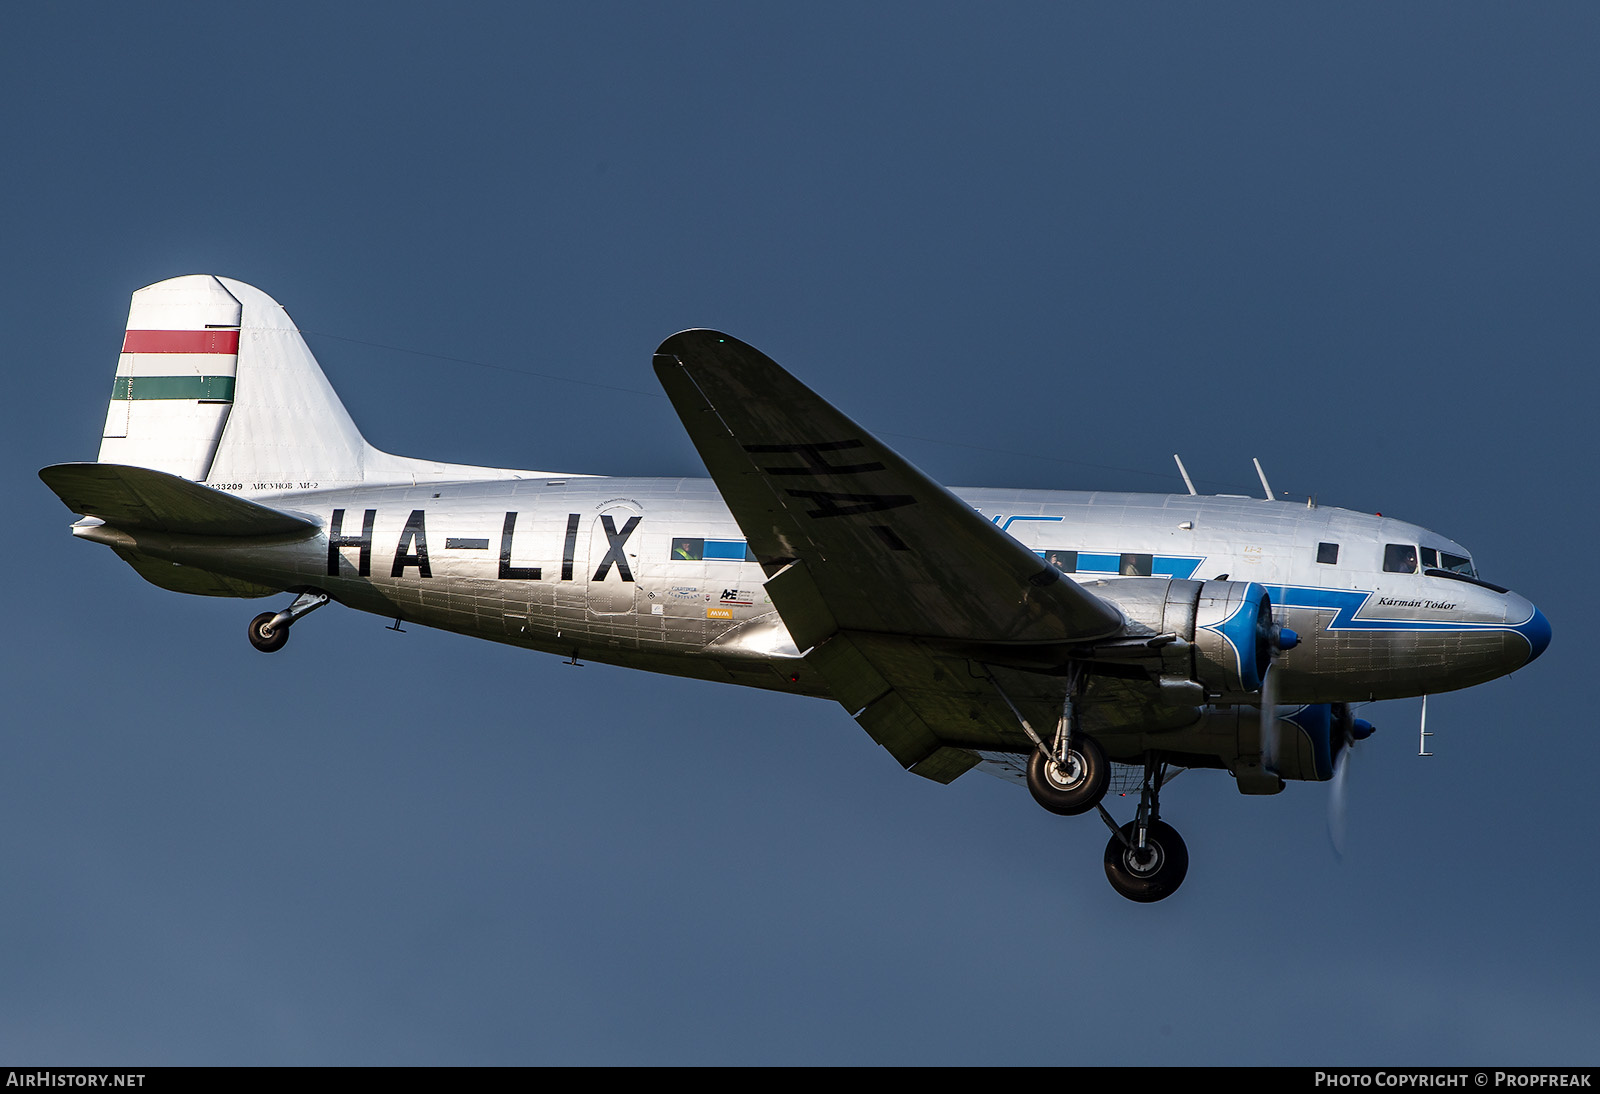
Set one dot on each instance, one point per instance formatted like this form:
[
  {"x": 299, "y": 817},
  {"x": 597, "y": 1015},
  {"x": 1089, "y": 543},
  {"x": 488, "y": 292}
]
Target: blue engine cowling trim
[
  {"x": 1316, "y": 722},
  {"x": 1242, "y": 630}
]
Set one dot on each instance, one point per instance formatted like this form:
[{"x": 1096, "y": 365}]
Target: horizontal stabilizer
[
  {"x": 179, "y": 578},
  {"x": 137, "y": 497}
]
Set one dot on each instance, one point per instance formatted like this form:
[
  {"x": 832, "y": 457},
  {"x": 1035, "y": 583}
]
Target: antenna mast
[
  {"x": 1186, "y": 480},
  {"x": 1265, "y": 485}
]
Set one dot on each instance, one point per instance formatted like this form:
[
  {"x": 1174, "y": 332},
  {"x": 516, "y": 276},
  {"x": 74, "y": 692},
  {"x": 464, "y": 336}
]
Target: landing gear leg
[
  {"x": 1146, "y": 859},
  {"x": 1070, "y": 775},
  {"x": 270, "y": 630}
]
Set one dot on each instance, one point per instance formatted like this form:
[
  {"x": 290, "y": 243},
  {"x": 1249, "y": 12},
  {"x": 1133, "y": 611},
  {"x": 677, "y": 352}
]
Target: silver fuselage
[{"x": 653, "y": 574}]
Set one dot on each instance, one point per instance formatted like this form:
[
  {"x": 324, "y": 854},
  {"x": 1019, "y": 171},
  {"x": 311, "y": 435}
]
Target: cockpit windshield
[
  {"x": 1443, "y": 560},
  {"x": 1401, "y": 558}
]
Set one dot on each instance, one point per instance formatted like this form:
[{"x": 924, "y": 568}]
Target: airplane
[{"x": 1068, "y": 641}]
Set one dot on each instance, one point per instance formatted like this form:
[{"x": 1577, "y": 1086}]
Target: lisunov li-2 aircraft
[{"x": 1052, "y": 638}]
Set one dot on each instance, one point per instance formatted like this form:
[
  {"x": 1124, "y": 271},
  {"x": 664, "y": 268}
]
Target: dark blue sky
[{"x": 1066, "y": 240}]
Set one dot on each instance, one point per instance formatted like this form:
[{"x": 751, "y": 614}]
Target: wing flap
[
  {"x": 931, "y": 710},
  {"x": 138, "y": 497}
]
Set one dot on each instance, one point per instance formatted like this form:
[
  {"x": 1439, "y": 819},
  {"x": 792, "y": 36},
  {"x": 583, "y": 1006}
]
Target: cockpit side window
[
  {"x": 1400, "y": 558},
  {"x": 1456, "y": 564},
  {"x": 1430, "y": 559},
  {"x": 1328, "y": 554}
]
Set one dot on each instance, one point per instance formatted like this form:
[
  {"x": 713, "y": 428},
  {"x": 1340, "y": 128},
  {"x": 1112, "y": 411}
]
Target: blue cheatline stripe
[
  {"x": 1181, "y": 567},
  {"x": 1006, "y": 527},
  {"x": 215, "y": 388},
  {"x": 1346, "y": 603}
]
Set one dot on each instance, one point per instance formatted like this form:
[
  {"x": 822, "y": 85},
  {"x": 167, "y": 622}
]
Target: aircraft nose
[{"x": 1537, "y": 632}]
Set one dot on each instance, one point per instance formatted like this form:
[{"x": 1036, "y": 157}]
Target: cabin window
[
  {"x": 1065, "y": 561},
  {"x": 686, "y": 549},
  {"x": 1328, "y": 554},
  {"x": 1457, "y": 565},
  {"x": 1134, "y": 565},
  {"x": 1400, "y": 558}
]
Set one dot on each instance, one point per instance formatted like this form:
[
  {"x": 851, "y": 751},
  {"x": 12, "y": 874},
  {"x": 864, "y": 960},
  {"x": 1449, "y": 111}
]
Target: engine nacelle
[
  {"x": 1304, "y": 745},
  {"x": 1224, "y": 629}
]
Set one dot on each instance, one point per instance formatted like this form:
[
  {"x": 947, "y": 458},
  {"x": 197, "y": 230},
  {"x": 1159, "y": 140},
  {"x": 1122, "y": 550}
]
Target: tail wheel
[
  {"x": 1151, "y": 873},
  {"x": 266, "y": 638},
  {"x": 1074, "y": 786}
]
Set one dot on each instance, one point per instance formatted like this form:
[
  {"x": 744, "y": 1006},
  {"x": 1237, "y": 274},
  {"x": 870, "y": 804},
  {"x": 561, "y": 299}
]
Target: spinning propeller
[
  {"x": 1277, "y": 640},
  {"x": 1345, "y": 731}
]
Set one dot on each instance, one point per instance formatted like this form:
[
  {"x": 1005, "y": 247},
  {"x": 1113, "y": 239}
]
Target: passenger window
[
  {"x": 1400, "y": 558},
  {"x": 1430, "y": 559},
  {"x": 1328, "y": 554},
  {"x": 1065, "y": 561},
  {"x": 688, "y": 550},
  {"x": 1136, "y": 565}
]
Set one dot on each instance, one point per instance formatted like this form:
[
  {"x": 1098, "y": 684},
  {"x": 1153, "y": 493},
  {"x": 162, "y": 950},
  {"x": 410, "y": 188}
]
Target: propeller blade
[
  {"x": 1269, "y": 717},
  {"x": 1348, "y": 730},
  {"x": 1336, "y": 802}
]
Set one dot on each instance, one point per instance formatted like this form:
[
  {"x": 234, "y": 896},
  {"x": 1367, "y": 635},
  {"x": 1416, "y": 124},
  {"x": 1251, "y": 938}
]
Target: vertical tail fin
[{"x": 215, "y": 384}]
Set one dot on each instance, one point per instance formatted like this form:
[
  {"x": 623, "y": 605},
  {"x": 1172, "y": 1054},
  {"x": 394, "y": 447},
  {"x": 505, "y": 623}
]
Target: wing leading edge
[{"x": 895, "y": 586}]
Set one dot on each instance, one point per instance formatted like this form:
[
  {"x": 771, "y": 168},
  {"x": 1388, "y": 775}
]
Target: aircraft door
[{"x": 614, "y": 561}]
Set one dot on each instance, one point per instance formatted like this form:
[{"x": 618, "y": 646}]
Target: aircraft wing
[
  {"x": 888, "y": 549},
  {"x": 896, "y": 587}
]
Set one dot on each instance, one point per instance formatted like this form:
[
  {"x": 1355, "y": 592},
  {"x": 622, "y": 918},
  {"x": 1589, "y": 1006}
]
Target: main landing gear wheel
[
  {"x": 1073, "y": 787},
  {"x": 1151, "y": 873},
  {"x": 264, "y": 636}
]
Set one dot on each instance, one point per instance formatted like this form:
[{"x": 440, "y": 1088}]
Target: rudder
[{"x": 175, "y": 379}]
